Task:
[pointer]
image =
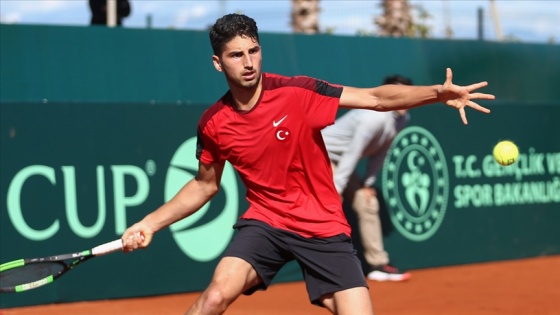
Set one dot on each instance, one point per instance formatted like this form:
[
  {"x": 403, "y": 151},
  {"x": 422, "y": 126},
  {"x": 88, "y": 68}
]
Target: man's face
[{"x": 241, "y": 62}]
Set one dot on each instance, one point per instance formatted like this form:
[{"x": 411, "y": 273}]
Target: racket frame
[{"x": 78, "y": 257}]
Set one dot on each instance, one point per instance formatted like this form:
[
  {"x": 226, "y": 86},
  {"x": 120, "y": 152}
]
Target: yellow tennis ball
[{"x": 506, "y": 152}]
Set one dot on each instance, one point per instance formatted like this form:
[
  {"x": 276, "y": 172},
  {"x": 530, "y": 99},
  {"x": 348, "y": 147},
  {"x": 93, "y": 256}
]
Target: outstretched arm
[
  {"x": 392, "y": 97},
  {"x": 187, "y": 201}
]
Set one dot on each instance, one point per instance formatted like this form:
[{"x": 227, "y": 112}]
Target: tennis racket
[{"x": 26, "y": 274}]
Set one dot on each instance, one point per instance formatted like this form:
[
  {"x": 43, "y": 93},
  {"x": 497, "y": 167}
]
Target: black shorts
[{"x": 328, "y": 264}]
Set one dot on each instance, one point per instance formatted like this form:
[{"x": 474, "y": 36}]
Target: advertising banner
[
  {"x": 449, "y": 202},
  {"x": 75, "y": 176}
]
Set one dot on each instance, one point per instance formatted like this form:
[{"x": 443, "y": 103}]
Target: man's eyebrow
[{"x": 236, "y": 51}]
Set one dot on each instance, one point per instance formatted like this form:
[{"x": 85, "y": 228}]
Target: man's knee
[{"x": 215, "y": 301}]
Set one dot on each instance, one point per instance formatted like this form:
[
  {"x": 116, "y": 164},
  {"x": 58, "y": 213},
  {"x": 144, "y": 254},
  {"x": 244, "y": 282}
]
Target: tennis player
[{"x": 268, "y": 126}]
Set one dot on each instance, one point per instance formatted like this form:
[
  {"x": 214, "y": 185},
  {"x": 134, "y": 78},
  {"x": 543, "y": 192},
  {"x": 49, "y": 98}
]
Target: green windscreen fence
[{"x": 98, "y": 128}]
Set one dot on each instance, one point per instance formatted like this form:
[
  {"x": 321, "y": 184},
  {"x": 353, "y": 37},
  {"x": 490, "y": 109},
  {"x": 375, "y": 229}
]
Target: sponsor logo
[
  {"x": 199, "y": 237},
  {"x": 67, "y": 186},
  {"x": 416, "y": 183},
  {"x": 202, "y": 242},
  {"x": 277, "y": 123}
]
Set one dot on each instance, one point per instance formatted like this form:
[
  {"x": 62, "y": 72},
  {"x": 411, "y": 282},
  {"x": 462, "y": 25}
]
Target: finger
[
  {"x": 139, "y": 236},
  {"x": 479, "y": 108},
  {"x": 481, "y": 96},
  {"x": 463, "y": 115},
  {"x": 475, "y": 86},
  {"x": 137, "y": 239},
  {"x": 127, "y": 245},
  {"x": 130, "y": 244},
  {"x": 132, "y": 241},
  {"x": 448, "y": 76}
]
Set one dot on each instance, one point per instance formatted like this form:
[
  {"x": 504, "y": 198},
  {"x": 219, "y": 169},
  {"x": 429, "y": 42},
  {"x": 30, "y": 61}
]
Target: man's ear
[{"x": 217, "y": 63}]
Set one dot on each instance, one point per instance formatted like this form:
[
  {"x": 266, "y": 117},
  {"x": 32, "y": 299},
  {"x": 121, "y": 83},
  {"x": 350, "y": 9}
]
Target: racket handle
[{"x": 107, "y": 248}]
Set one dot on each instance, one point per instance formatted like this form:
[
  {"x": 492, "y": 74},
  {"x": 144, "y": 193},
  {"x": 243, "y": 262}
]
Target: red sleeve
[
  {"x": 321, "y": 103},
  {"x": 207, "y": 150}
]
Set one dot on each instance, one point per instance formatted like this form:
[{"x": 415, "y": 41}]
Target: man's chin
[
  {"x": 251, "y": 84},
  {"x": 246, "y": 84}
]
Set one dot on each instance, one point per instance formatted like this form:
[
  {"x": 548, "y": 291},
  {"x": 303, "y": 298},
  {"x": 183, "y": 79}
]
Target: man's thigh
[
  {"x": 234, "y": 276},
  {"x": 261, "y": 249},
  {"x": 329, "y": 265},
  {"x": 351, "y": 301}
]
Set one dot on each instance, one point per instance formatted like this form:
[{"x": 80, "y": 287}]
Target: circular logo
[
  {"x": 283, "y": 134},
  {"x": 415, "y": 183},
  {"x": 202, "y": 240}
]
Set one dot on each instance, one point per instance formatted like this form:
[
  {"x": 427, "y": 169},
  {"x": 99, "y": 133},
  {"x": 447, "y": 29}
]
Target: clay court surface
[{"x": 525, "y": 286}]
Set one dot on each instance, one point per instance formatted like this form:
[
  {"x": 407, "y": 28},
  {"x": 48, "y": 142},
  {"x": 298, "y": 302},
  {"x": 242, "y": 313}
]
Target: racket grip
[{"x": 107, "y": 248}]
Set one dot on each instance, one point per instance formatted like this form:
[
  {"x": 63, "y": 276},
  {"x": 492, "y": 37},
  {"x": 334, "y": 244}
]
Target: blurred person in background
[
  {"x": 365, "y": 134},
  {"x": 99, "y": 11}
]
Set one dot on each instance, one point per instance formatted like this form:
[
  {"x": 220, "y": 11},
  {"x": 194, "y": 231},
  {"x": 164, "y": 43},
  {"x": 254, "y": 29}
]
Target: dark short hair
[
  {"x": 229, "y": 26},
  {"x": 397, "y": 79}
]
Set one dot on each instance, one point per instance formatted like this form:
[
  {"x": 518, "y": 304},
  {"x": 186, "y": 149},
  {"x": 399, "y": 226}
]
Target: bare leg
[
  {"x": 231, "y": 278},
  {"x": 355, "y": 301}
]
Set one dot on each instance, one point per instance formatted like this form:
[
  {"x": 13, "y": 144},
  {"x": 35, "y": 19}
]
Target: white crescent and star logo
[{"x": 282, "y": 134}]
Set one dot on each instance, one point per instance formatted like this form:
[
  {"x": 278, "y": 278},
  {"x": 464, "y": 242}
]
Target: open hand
[{"x": 461, "y": 96}]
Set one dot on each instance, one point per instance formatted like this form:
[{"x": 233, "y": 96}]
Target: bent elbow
[{"x": 211, "y": 190}]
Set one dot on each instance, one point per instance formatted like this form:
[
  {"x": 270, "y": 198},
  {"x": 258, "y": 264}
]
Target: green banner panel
[
  {"x": 448, "y": 202},
  {"x": 74, "y": 177}
]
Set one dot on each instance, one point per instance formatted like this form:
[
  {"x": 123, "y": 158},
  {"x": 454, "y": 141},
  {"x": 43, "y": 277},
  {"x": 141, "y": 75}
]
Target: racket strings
[{"x": 29, "y": 273}]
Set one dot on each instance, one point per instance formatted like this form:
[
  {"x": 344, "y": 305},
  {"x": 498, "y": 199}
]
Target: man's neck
[{"x": 246, "y": 98}]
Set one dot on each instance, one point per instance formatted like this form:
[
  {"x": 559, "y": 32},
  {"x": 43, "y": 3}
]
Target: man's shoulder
[
  {"x": 273, "y": 81},
  {"x": 213, "y": 110}
]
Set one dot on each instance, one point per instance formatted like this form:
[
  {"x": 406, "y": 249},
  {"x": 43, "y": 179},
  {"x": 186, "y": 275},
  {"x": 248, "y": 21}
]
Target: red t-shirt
[{"x": 279, "y": 153}]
